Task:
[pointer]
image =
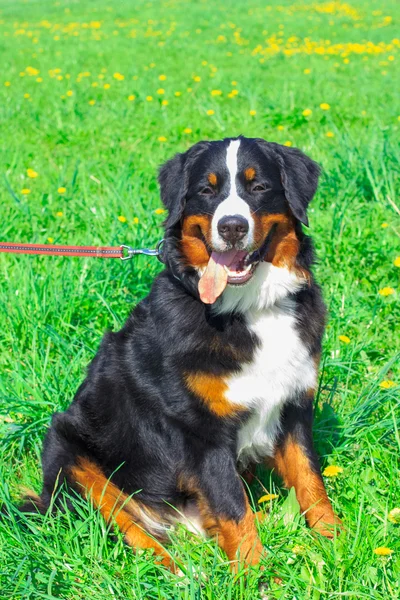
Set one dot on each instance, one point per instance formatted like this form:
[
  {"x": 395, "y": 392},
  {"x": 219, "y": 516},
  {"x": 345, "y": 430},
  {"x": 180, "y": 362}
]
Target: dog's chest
[{"x": 281, "y": 369}]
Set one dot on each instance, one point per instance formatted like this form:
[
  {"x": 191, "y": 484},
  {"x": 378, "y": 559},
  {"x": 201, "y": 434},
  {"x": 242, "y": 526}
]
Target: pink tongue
[{"x": 214, "y": 279}]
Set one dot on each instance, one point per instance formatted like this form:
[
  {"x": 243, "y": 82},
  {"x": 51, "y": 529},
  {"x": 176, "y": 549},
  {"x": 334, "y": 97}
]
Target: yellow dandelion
[
  {"x": 70, "y": 93},
  {"x": 307, "y": 71},
  {"x": 62, "y": 190},
  {"x": 384, "y": 225},
  {"x": 386, "y": 291},
  {"x": 177, "y": 94},
  {"x": 387, "y": 384},
  {"x": 149, "y": 98},
  {"x": 95, "y": 84},
  {"x": 50, "y": 240},
  {"x": 394, "y": 516},
  {"x": 307, "y": 112},
  {"x": 280, "y": 128},
  {"x": 106, "y": 86},
  {"x": 135, "y": 220},
  {"x": 92, "y": 102},
  {"x": 332, "y": 471},
  {"x": 189, "y": 89},
  {"x": 162, "y": 77},
  {"x": 211, "y": 112},
  {"x": 160, "y": 91},
  {"x": 324, "y": 106},
  {"x": 234, "y": 83},
  {"x": 287, "y": 143},
  {"x": 159, "y": 211},
  {"x": 119, "y": 76},
  {"x": 7, "y": 83},
  {"x": 252, "y": 113},
  {"x": 383, "y": 551},
  {"x": 27, "y": 96},
  {"x": 164, "y": 103},
  {"x": 267, "y": 498},
  {"x": 330, "y": 134},
  {"x": 397, "y": 262},
  {"x": 122, "y": 219},
  {"x": 196, "y": 78},
  {"x": 216, "y": 92},
  {"x": 31, "y": 173},
  {"x": 344, "y": 339},
  {"x": 162, "y": 138},
  {"x": 187, "y": 130},
  {"x": 25, "y": 191},
  {"x": 59, "y": 213},
  {"x": 131, "y": 97}
]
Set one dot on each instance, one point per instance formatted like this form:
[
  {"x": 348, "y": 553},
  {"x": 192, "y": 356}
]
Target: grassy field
[{"x": 93, "y": 97}]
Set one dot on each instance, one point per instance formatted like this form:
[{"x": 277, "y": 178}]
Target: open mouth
[{"x": 233, "y": 267}]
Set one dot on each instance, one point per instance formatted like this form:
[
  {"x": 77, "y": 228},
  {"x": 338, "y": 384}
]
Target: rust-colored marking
[
  {"x": 211, "y": 389},
  {"x": 250, "y": 173},
  {"x": 115, "y": 505},
  {"x": 284, "y": 246},
  {"x": 212, "y": 178},
  {"x": 294, "y": 467},
  {"x": 196, "y": 229}
]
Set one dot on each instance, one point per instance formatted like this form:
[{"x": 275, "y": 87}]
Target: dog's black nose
[{"x": 233, "y": 228}]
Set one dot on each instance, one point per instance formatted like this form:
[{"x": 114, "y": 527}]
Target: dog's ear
[
  {"x": 299, "y": 176},
  {"x": 173, "y": 184}
]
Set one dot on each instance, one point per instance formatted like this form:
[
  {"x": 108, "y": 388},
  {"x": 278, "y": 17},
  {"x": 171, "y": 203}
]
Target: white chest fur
[{"x": 282, "y": 367}]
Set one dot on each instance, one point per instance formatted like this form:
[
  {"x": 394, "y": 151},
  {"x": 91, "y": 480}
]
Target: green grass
[{"x": 106, "y": 154}]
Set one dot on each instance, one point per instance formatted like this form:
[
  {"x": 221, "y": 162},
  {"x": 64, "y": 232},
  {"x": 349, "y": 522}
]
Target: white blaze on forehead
[{"x": 233, "y": 204}]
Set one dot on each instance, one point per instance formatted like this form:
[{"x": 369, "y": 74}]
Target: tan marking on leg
[
  {"x": 211, "y": 389},
  {"x": 294, "y": 467},
  {"x": 115, "y": 506}
]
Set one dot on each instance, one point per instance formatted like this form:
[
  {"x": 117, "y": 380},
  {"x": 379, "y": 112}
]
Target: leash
[{"x": 123, "y": 252}]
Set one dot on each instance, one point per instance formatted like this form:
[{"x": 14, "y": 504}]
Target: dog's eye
[
  {"x": 259, "y": 187},
  {"x": 207, "y": 191}
]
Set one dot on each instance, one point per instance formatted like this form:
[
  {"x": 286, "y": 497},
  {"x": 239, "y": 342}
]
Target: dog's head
[{"x": 225, "y": 197}]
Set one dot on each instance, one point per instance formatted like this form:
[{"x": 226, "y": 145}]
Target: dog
[{"x": 215, "y": 370}]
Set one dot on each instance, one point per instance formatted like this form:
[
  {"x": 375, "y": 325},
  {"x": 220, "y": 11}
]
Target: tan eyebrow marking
[
  {"x": 212, "y": 178},
  {"x": 250, "y": 173}
]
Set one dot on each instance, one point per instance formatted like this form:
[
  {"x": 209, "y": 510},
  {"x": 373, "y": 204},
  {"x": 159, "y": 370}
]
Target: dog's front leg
[
  {"x": 225, "y": 511},
  {"x": 297, "y": 463}
]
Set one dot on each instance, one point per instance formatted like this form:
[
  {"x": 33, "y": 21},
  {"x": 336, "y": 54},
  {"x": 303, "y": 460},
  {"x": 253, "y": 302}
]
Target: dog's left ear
[
  {"x": 299, "y": 179},
  {"x": 172, "y": 179}
]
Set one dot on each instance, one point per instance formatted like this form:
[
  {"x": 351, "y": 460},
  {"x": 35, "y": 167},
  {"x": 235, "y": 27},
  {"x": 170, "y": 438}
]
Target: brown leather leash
[{"x": 123, "y": 252}]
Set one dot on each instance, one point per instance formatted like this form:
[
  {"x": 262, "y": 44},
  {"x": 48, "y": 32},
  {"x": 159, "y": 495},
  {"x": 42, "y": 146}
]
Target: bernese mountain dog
[{"x": 215, "y": 370}]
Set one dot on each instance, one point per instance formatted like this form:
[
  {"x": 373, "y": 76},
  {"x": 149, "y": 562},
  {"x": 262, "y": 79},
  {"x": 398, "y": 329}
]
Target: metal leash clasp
[{"x": 127, "y": 252}]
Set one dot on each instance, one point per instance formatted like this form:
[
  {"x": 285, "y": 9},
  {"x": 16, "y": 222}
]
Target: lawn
[{"x": 94, "y": 96}]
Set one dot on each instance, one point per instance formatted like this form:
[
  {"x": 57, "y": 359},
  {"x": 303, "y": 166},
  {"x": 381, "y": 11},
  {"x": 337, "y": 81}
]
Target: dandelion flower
[
  {"x": 216, "y": 92},
  {"x": 50, "y": 240},
  {"x": 324, "y": 106},
  {"x": 27, "y": 96},
  {"x": 187, "y": 130},
  {"x": 122, "y": 219},
  {"x": 344, "y": 339},
  {"x": 131, "y": 97},
  {"x": 252, "y": 113},
  {"x": 234, "y": 83},
  {"x": 92, "y": 102},
  {"x": 70, "y": 93},
  {"x": 162, "y": 77},
  {"x": 307, "y": 112},
  {"x": 330, "y": 134},
  {"x": 386, "y": 384},
  {"x": 118, "y": 76},
  {"x": 62, "y": 190},
  {"x": 162, "y": 138},
  {"x": 197, "y": 78},
  {"x": 267, "y": 498},
  {"x": 135, "y": 220},
  {"x": 280, "y": 128},
  {"x": 394, "y": 516},
  {"x": 384, "y": 225},
  {"x": 106, "y": 86},
  {"x": 159, "y": 211},
  {"x": 287, "y": 143},
  {"x": 160, "y": 91},
  {"x": 397, "y": 262},
  {"x": 25, "y": 191},
  {"x": 332, "y": 471},
  {"x": 386, "y": 291},
  {"x": 164, "y": 103},
  {"x": 383, "y": 551},
  {"x": 307, "y": 71},
  {"x": 7, "y": 83},
  {"x": 189, "y": 89},
  {"x": 149, "y": 98},
  {"x": 59, "y": 213},
  {"x": 31, "y": 173},
  {"x": 210, "y": 112},
  {"x": 177, "y": 94}
]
